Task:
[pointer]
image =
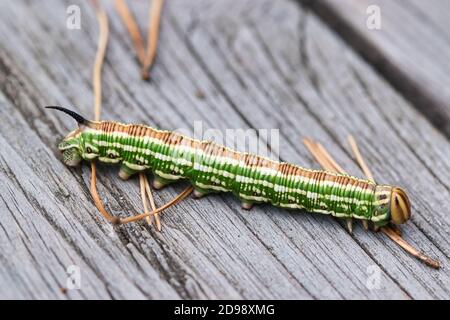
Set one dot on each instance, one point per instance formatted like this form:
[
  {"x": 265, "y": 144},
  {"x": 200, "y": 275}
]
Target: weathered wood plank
[
  {"x": 270, "y": 65},
  {"x": 333, "y": 87},
  {"x": 411, "y": 50}
]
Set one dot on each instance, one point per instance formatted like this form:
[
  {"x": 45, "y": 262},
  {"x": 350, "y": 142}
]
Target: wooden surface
[
  {"x": 411, "y": 48},
  {"x": 257, "y": 64}
]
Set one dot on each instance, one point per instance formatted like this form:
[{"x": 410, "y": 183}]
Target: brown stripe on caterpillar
[{"x": 215, "y": 149}]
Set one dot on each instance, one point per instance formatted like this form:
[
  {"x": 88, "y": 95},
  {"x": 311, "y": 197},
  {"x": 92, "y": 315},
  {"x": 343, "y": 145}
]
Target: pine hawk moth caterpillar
[{"x": 214, "y": 168}]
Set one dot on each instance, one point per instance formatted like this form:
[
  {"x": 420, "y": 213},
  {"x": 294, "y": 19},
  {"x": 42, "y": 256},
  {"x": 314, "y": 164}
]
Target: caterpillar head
[
  {"x": 400, "y": 206},
  {"x": 391, "y": 205},
  {"x": 71, "y": 146}
]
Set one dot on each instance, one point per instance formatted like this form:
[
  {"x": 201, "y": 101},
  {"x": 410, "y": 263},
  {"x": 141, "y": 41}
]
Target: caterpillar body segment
[{"x": 215, "y": 168}]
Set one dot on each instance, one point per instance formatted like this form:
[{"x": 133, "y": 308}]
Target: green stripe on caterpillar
[{"x": 214, "y": 168}]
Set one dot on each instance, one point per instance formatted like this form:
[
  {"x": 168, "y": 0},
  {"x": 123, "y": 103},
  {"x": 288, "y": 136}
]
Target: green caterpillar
[{"x": 214, "y": 168}]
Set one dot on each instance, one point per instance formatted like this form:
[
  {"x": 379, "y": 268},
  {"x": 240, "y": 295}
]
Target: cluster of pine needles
[{"x": 146, "y": 58}]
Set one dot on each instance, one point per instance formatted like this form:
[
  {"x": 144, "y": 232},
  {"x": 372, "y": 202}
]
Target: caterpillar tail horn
[{"x": 78, "y": 118}]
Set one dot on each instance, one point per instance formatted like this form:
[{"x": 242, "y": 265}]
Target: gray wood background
[
  {"x": 230, "y": 64},
  {"x": 412, "y": 50}
]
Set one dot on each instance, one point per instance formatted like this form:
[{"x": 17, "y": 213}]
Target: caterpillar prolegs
[{"x": 214, "y": 168}]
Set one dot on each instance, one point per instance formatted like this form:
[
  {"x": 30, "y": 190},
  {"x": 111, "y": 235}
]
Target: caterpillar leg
[
  {"x": 160, "y": 182},
  {"x": 199, "y": 193},
  {"x": 350, "y": 225},
  {"x": 126, "y": 172},
  {"x": 365, "y": 224},
  {"x": 246, "y": 205}
]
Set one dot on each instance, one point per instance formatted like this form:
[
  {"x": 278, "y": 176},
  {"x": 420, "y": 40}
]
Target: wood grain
[
  {"x": 411, "y": 49},
  {"x": 229, "y": 64}
]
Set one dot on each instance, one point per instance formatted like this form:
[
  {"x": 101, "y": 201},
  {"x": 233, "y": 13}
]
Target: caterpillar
[{"x": 214, "y": 168}]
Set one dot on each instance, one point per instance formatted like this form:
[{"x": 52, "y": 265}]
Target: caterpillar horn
[{"x": 76, "y": 116}]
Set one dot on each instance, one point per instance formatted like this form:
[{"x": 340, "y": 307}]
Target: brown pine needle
[
  {"x": 95, "y": 196},
  {"x": 409, "y": 248},
  {"x": 152, "y": 203},
  {"x": 132, "y": 27},
  {"x": 318, "y": 155},
  {"x": 146, "y": 191},
  {"x": 152, "y": 36},
  {"x": 362, "y": 164},
  {"x": 146, "y": 58},
  {"x": 333, "y": 163},
  {"x": 150, "y": 194},
  {"x": 99, "y": 58},
  {"x": 97, "y": 87},
  {"x": 174, "y": 201},
  {"x": 328, "y": 163},
  {"x": 144, "y": 196}
]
